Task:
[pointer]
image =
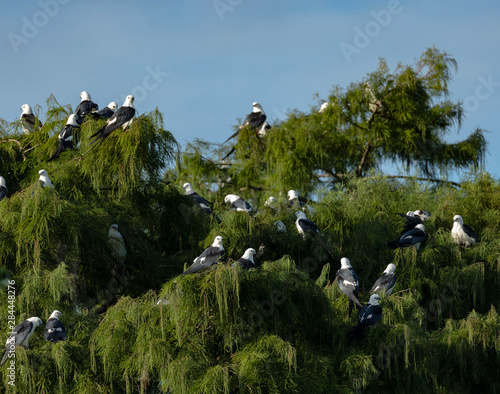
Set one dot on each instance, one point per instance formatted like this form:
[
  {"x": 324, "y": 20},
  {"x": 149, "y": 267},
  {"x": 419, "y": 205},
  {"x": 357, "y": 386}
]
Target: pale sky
[{"x": 203, "y": 63}]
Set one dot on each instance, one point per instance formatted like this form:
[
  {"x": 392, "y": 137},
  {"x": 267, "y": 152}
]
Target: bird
[
  {"x": 237, "y": 203},
  {"x": 347, "y": 279},
  {"x": 85, "y": 107},
  {"x": 123, "y": 117},
  {"x": 368, "y": 316},
  {"x": 323, "y": 107},
  {"x": 264, "y": 129},
  {"x": 54, "y": 329},
  {"x": 118, "y": 243},
  {"x": 44, "y": 179},
  {"x": 204, "y": 204},
  {"x": 412, "y": 218},
  {"x": 386, "y": 282},
  {"x": 3, "y": 188},
  {"x": 254, "y": 120},
  {"x": 209, "y": 257},
  {"x": 28, "y": 120},
  {"x": 20, "y": 336},
  {"x": 67, "y": 136},
  {"x": 304, "y": 225},
  {"x": 106, "y": 112},
  {"x": 413, "y": 237},
  {"x": 462, "y": 233},
  {"x": 293, "y": 200},
  {"x": 246, "y": 261},
  {"x": 280, "y": 226}
]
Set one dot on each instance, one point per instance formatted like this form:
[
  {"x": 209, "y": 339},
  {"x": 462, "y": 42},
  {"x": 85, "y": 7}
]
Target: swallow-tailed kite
[
  {"x": 209, "y": 256},
  {"x": 20, "y": 336},
  {"x": 67, "y": 136},
  {"x": 412, "y": 218},
  {"x": 368, "y": 316},
  {"x": 44, "y": 179},
  {"x": 411, "y": 238},
  {"x": 106, "y": 112},
  {"x": 386, "y": 282},
  {"x": 264, "y": 129},
  {"x": 54, "y": 329},
  {"x": 305, "y": 225},
  {"x": 3, "y": 188},
  {"x": 347, "y": 280},
  {"x": 123, "y": 117},
  {"x": 237, "y": 203},
  {"x": 280, "y": 226},
  {"x": 85, "y": 107},
  {"x": 254, "y": 120},
  {"x": 462, "y": 233},
  {"x": 29, "y": 122},
  {"x": 293, "y": 200},
  {"x": 204, "y": 204},
  {"x": 246, "y": 261},
  {"x": 117, "y": 242}
]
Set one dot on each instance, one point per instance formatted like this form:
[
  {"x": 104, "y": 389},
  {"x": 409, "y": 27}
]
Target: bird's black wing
[
  {"x": 245, "y": 263},
  {"x": 30, "y": 121},
  {"x": 209, "y": 256},
  {"x": 470, "y": 232},
  {"x": 104, "y": 113},
  {"x": 409, "y": 238},
  {"x": 242, "y": 205},
  {"x": 308, "y": 226},
  {"x": 3, "y": 192},
  {"x": 255, "y": 120},
  {"x": 54, "y": 331},
  {"x": 204, "y": 204},
  {"x": 84, "y": 108},
  {"x": 22, "y": 330},
  {"x": 386, "y": 281},
  {"x": 121, "y": 116}
]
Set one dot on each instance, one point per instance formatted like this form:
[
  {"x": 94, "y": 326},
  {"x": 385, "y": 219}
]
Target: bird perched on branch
[
  {"x": 3, "y": 188},
  {"x": 118, "y": 243},
  {"x": 29, "y": 122},
  {"x": 413, "y": 237},
  {"x": 386, "y": 282},
  {"x": 347, "y": 279},
  {"x": 237, "y": 203},
  {"x": 20, "y": 336},
  {"x": 123, "y": 118},
  {"x": 462, "y": 233},
  {"x": 67, "y": 136},
  {"x": 106, "y": 112},
  {"x": 412, "y": 218},
  {"x": 246, "y": 261},
  {"x": 254, "y": 119},
  {"x": 44, "y": 179},
  {"x": 304, "y": 225},
  {"x": 368, "y": 316},
  {"x": 85, "y": 107},
  {"x": 54, "y": 329},
  {"x": 209, "y": 257},
  {"x": 204, "y": 204}
]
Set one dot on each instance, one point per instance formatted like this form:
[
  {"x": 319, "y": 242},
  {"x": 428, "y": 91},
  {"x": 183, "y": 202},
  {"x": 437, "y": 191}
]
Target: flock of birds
[{"x": 370, "y": 314}]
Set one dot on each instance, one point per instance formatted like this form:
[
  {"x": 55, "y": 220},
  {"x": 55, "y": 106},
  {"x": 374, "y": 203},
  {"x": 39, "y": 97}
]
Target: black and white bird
[
  {"x": 237, "y": 203},
  {"x": 304, "y": 225},
  {"x": 67, "y": 136},
  {"x": 3, "y": 188},
  {"x": 293, "y": 200},
  {"x": 204, "y": 204},
  {"x": 246, "y": 261},
  {"x": 386, "y": 282},
  {"x": 123, "y": 117},
  {"x": 254, "y": 120},
  {"x": 29, "y": 122},
  {"x": 20, "y": 336},
  {"x": 209, "y": 257},
  {"x": 412, "y": 218},
  {"x": 85, "y": 107},
  {"x": 368, "y": 316},
  {"x": 413, "y": 237},
  {"x": 347, "y": 279},
  {"x": 54, "y": 329},
  {"x": 264, "y": 129},
  {"x": 106, "y": 112},
  {"x": 462, "y": 233},
  {"x": 280, "y": 226},
  {"x": 118, "y": 243},
  {"x": 44, "y": 179}
]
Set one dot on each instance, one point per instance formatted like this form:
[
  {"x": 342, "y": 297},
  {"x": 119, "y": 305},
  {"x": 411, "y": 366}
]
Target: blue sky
[{"x": 203, "y": 63}]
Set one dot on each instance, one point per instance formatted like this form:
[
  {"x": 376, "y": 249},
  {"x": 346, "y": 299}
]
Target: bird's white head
[
  {"x": 129, "y": 101},
  {"x": 345, "y": 263},
  {"x": 188, "y": 188},
  {"x": 114, "y": 227},
  {"x": 390, "y": 269},
  {"x": 458, "y": 219},
  {"x": 420, "y": 226},
  {"x": 26, "y": 109},
  {"x": 217, "y": 242},
  {"x": 249, "y": 254},
  {"x": 42, "y": 173},
  {"x": 292, "y": 194},
  {"x": 257, "y": 107},
  {"x": 55, "y": 315},
  {"x": 374, "y": 299},
  {"x": 300, "y": 215},
  {"x": 36, "y": 321},
  {"x": 112, "y": 105},
  {"x": 72, "y": 120},
  {"x": 2, "y": 181},
  {"x": 230, "y": 198},
  {"x": 85, "y": 96}
]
